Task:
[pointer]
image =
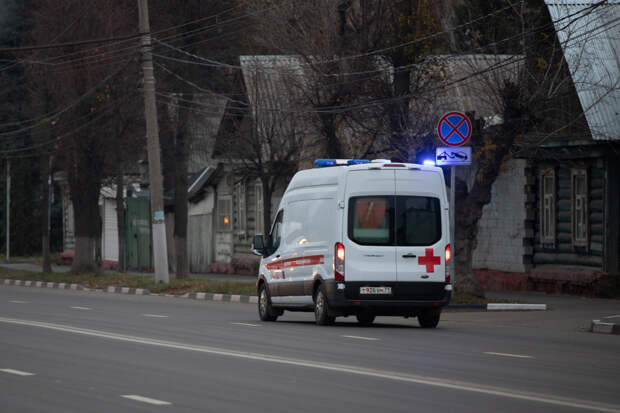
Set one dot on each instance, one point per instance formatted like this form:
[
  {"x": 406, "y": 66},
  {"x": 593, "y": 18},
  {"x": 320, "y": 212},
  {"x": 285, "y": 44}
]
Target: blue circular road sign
[{"x": 454, "y": 129}]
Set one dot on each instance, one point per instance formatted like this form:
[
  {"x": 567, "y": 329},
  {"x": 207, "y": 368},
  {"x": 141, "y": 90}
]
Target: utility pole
[
  {"x": 8, "y": 210},
  {"x": 160, "y": 253}
]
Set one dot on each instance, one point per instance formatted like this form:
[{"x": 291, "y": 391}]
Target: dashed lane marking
[
  {"x": 519, "y": 356},
  {"x": 155, "y": 315},
  {"x": 246, "y": 324},
  {"x": 361, "y": 338},
  {"x": 17, "y": 372},
  {"x": 18, "y": 302},
  {"x": 81, "y": 308},
  {"x": 417, "y": 379},
  {"x": 146, "y": 400}
]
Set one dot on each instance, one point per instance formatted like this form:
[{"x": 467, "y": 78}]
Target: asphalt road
[{"x": 71, "y": 351}]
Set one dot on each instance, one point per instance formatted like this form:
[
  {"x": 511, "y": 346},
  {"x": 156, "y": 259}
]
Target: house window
[
  {"x": 260, "y": 226},
  {"x": 224, "y": 214},
  {"x": 547, "y": 207},
  {"x": 240, "y": 207},
  {"x": 580, "y": 207}
]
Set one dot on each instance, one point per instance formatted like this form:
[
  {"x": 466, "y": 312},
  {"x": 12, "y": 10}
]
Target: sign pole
[
  {"x": 454, "y": 129},
  {"x": 452, "y": 222}
]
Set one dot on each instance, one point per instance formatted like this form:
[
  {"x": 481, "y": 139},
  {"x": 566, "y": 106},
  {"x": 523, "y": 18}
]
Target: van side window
[
  {"x": 276, "y": 232},
  {"x": 418, "y": 220},
  {"x": 371, "y": 220}
]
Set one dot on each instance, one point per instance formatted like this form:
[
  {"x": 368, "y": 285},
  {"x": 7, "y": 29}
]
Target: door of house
[{"x": 139, "y": 248}]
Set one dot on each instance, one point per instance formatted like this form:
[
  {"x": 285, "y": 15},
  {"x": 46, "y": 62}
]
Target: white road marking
[
  {"x": 81, "y": 308},
  {"x": 246, "y": 324},
  {"x": 18, "y": 302},
  {"x": 361, "y": 338},
  {"x": 338, "y": 368},
  {"x": 155, "y": 315},
  {"x": 146, "y": 400},
  {"x": 17, "y": 372},
  {"x": 613, "y": 316},
  {"x": 519, "y": 356}
]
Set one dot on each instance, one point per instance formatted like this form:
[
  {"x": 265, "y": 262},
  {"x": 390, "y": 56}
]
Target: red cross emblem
[{"x": 430, "y": 260}]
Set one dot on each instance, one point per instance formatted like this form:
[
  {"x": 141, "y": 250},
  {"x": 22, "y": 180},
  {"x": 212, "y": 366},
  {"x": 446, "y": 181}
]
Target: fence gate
[{"x": 139, "y": 248}]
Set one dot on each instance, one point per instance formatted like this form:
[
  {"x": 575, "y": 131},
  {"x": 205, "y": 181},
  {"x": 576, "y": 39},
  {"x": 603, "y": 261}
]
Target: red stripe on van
[{"x": 296, "y": 262}]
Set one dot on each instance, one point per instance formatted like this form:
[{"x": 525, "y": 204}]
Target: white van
[{"x": 358, "y": 238}]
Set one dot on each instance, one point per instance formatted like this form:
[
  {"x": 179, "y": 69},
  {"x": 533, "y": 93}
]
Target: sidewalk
[{"x": 565, "y": 311}]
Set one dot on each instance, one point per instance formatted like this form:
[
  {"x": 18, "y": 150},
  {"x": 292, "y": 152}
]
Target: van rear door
[
  {"x": 368, "y": 227},
  {"x": 420, "y": 232}
]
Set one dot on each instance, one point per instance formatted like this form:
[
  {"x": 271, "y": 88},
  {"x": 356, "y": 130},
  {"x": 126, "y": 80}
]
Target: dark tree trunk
[
  {"x": 267, "y": 193},
  {"x": 497, "y": 144},
  {"x": 328, "y": 127},
  {"x": 180, "y": 201},
  {"x": 399, "y": 110},
  {"x": 466, "y": 232},
  {"x": 85, "y": 200},
  {"x": 120, "y": 219},
  {"x": 45, "y": 206}
]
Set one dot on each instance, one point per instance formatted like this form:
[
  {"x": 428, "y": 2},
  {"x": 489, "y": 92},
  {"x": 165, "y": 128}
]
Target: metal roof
[{"x": 591, "y": 43}]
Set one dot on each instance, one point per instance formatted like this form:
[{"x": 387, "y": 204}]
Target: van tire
[
  {"x": 265, "y": 311},
  {"x": 429, "y": 317},
  {"x": 365, "y": 319},
  {"x": 321, "y": 308}
]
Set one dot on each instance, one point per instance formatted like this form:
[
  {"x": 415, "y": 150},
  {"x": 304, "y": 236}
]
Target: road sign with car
[{"x": 453, "y": 156}]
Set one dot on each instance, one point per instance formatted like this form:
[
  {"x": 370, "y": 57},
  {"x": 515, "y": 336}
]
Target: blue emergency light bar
[{"x": 321, "y": 163}]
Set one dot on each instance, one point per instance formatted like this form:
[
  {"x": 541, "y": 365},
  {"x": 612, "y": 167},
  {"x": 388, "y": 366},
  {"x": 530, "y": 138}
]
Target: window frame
[
  {"x": 550, "y": 237},
  {"x": 280, "y": 218},
  {"x": 241, "y": 208},
  {"x": 223, "y": 213},
  {"x": 579, "y": 241}
]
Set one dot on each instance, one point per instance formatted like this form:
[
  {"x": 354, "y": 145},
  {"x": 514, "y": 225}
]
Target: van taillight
[
  {"x": 339, "y": 262},
  {"x": 448, "y": 258}
]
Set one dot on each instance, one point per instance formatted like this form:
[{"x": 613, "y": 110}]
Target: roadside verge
[{"x": 237, "y": 298}]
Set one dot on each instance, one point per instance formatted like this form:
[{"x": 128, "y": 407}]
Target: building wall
[{"x": 502, "y": 226}]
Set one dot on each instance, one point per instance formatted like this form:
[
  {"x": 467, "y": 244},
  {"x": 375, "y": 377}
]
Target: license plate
[{"x": 375, "y": 290}]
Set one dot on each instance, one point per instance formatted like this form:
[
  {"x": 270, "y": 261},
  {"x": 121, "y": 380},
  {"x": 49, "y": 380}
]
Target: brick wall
[{"x": 502, "y": 226}]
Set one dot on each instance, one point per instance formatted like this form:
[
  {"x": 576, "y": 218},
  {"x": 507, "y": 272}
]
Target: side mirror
[{"x": 258, "y": 245}]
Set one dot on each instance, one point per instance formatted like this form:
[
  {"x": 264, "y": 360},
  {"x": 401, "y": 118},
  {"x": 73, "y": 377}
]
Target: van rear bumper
[{"x": 405, "y": 299}]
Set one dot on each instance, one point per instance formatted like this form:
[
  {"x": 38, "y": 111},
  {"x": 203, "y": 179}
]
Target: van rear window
[
  {"x": 371, "y": 220},
  {"x": 394, "y": 220}
]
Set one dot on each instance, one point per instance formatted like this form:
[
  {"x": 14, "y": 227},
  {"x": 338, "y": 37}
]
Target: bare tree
[{"x": 79, "y": 86}]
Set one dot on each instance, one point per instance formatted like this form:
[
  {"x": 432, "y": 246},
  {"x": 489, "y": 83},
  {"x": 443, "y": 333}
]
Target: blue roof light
[
  {"x": 429, "y": 162},
  {"x": 324, "y": 162},
  {"x": 320, "y": 163}
]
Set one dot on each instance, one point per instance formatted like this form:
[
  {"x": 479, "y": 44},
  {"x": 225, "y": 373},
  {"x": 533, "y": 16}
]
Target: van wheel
[
  {"x": 265, "y": 310},
  {"x": 365, "y": 319},
  {"x": 321, "y": 309},
  {"x": 429, "y": 317}
]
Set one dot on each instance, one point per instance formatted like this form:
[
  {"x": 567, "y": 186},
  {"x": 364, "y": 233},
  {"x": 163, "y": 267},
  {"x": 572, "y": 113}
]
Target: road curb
[
  {"x": 232, "y": 298},
  {"x": 222, "y": 297},
  {"x": 127, "y": 290},
  {"x": 500, "y": 307},
  {"x": 604, "y": 327},
  {"x": 43, "y": 284}
]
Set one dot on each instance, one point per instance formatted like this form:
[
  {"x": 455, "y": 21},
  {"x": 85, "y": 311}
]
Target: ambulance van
[{"x": 358, "y": 237}]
